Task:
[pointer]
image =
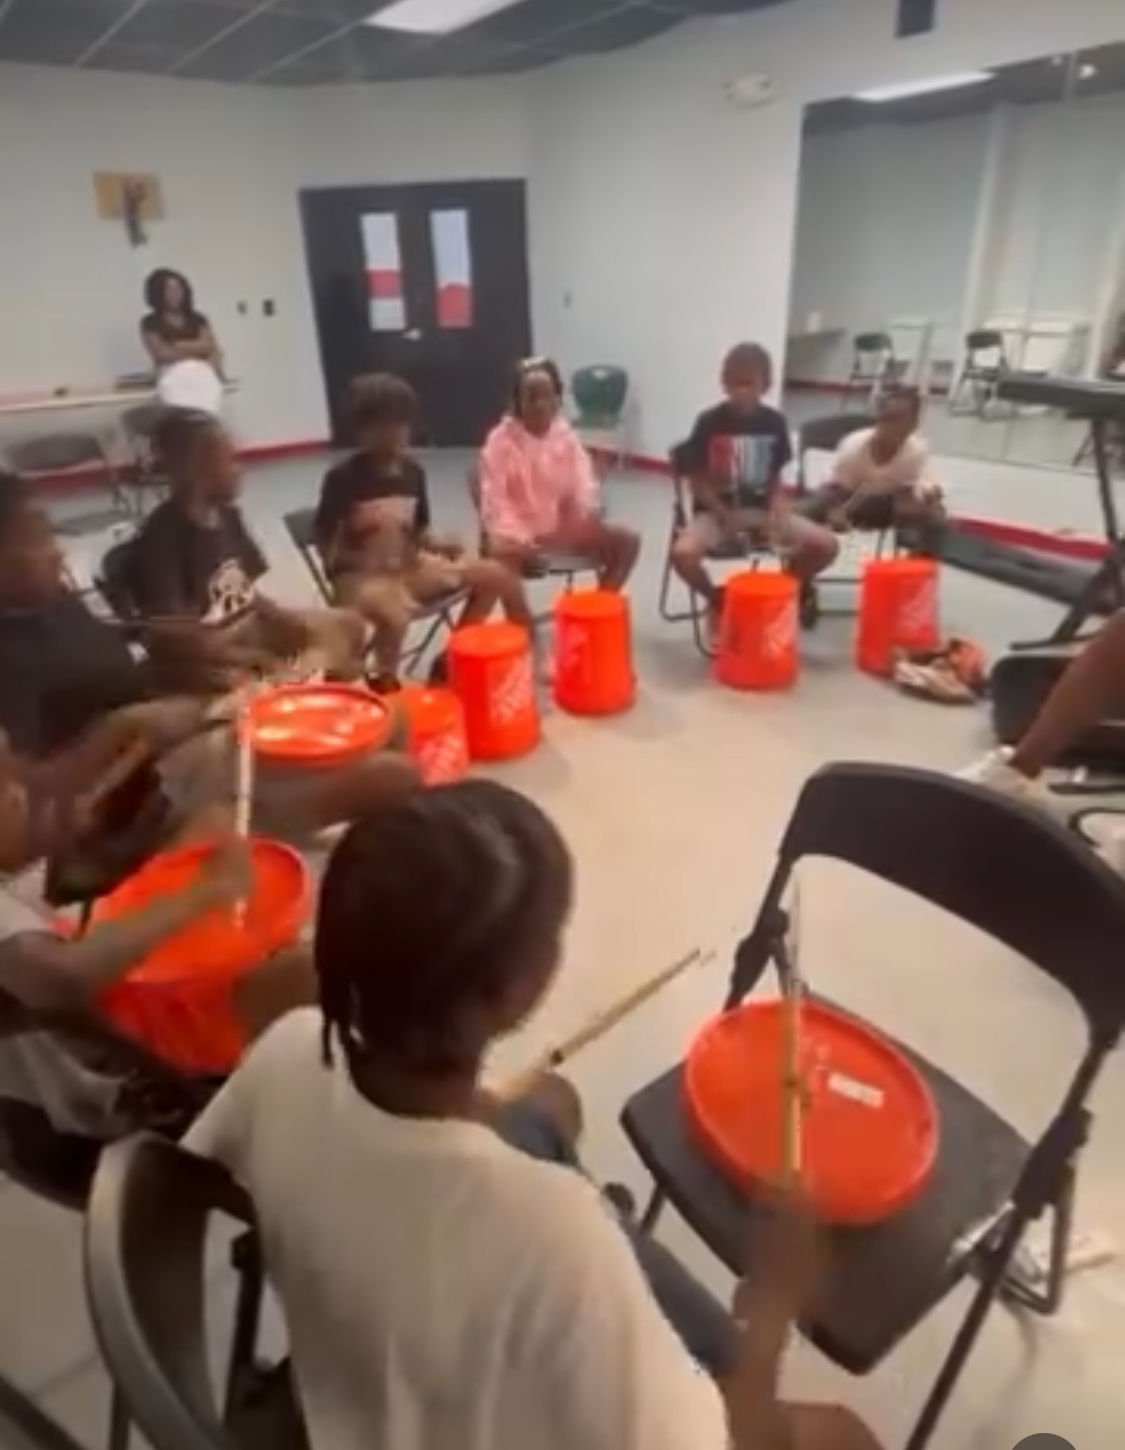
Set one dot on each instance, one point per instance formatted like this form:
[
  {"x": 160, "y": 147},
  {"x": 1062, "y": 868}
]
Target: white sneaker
[{"x": 995, "y": 772}]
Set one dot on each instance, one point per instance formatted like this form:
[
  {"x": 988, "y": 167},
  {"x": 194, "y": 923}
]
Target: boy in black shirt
[
  {"x": 374, "y": 530},
  {"x": 194, "y": 562},
  {"x": 734, "y": 459}
]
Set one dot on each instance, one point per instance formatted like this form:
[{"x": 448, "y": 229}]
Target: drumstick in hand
[{"x": 244, "y": 783}]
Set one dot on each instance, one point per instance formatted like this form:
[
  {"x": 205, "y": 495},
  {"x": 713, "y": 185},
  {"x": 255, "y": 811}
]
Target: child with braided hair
[{"x": 447, "y": 1272}]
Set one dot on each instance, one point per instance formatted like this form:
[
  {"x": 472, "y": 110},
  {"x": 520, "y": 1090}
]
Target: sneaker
[
  {"x": 996, "y": 772},
  {"x": 809, "y": 607}
]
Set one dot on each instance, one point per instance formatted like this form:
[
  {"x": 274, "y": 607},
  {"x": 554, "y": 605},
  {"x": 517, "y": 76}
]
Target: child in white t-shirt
[
  {"x": 447, "y": 1273},
  {"x": 882, "y": 478}
]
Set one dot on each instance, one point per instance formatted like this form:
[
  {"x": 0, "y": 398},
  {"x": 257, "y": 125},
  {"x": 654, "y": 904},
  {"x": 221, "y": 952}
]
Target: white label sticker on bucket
[{"x": 858, "y": 1092}]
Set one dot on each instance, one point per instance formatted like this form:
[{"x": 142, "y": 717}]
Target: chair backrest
[
  {"x": 145, "y": 1262},
  {"x": 116, "y": 579},
  {"x": 984, "y": 339},
  {"x": 599, "y": 393},
  {"x": 301, "y": 527},
  {"x": 997, "y": 864},
  {"x": 826, "y": 434},
  {"x": 873, "y": 342},
  {"x": 55, "y": 453},
  {"x": 140, "y": 423}
]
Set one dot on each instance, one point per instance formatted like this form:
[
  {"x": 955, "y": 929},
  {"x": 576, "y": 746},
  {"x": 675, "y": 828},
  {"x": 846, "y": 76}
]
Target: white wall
[
  {"x": 663, "y": 221},
  {"x": 231, "y": 161}
]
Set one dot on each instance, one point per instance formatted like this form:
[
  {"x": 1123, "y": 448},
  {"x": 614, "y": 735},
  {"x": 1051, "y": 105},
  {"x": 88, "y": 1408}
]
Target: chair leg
[
  {"x": 1046, "y": 1301},
  {"x": 120, "y": 1426},
  {"x": 36, "y": 1427},
  {"x": 415, "y": 653},
  {"x": 992, "y": 1274},
  {"x": 653, "y": 1209},
  {"x": 246, "y": 1256}
]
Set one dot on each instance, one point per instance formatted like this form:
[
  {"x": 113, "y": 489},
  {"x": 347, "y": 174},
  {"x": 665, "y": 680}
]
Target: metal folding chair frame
[{"x": 434, "y": 618}]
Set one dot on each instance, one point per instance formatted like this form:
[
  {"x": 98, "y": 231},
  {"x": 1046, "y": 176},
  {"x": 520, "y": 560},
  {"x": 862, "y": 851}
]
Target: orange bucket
[
  {"x": 758, "y": 632},
  {"x": 490, "y": 672},
  {"x": 898, "y": 609},
  {"x": 593, "y": 653},
  {"x": 869, "y": 1125},
  {"x": 313, "y": 724},
  {"x": 178, "y": 1000},
  {"x": 435, "y": 732}
]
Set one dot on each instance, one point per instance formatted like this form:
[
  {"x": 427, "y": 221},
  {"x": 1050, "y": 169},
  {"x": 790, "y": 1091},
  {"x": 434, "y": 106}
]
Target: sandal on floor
[{"x": 952, "y": 675}]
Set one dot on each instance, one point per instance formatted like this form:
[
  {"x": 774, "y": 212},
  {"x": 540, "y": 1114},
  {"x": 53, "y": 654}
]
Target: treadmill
[{"x": 1022, "y": 680}]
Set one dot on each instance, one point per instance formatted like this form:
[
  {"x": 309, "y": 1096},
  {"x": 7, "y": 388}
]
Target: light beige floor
[{"x": 673, "y": 812}]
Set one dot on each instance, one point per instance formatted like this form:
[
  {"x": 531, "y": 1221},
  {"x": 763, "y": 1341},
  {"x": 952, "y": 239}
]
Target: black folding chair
[
  {"x": 745, "y": 551},
  {"x": 984, "y": 363},
  {"x": 434, "y": 619},
  {"x": 59, "y": 1167},
  {"x": 1019, "y": 877},
  {"x": 42, "y": 459},
  {"x": 146, "y": 1237},
  {"x": 144, "y": 472},
  {"x": 874, "y": 367},
  {"x": 544, "y": 563}
]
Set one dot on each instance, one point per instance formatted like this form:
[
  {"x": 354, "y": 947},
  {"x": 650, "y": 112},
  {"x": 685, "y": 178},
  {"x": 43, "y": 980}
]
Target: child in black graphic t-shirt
[
  {"x": 195, "y": 562},
  {"x": 734, "y": 458}
]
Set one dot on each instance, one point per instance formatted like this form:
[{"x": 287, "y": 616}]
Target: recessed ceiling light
[
  {"x": 435, "y": 17},
  {"x": 903, "y": 90}
]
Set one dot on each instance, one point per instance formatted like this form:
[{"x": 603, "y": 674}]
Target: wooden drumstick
[
  {"x": 244, "y": 782},
  {"x": 601, "y": 1023},
  {"x": 792, "y": 1085}
]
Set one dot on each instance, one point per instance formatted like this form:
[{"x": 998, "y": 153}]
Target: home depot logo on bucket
[
  {"x": 573, "y": 645},
  {"x": 443, "y": 758},
  {"x": 779, "y": 634},
  {"x": 511, "y": 691},
  {"x": 917, "y": 609}
]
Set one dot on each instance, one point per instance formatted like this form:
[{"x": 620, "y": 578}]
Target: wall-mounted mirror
[{"x": 958, "y": 227}]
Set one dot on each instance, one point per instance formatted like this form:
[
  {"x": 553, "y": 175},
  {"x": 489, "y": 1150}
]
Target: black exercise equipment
[
  {"x": 1022, "y": 680},
  {"x": 1063, "y": 911}
]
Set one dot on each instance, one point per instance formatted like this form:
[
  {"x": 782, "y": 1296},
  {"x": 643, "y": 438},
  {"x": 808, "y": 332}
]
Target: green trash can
[{"x": 599, "y": 394}]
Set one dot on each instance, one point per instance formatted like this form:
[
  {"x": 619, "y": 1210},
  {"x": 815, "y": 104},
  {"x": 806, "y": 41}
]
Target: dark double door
[{"x": 426, "y": 281}]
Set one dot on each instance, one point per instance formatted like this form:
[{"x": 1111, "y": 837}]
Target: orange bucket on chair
[
  {"x": 179, "y": 1000},
  {"x": 593, "y": 653},
  {"x": 869, "y": 1127},
  {"x": 435, "y": 732},
  {"x": 490, "y": 670},
  {"x": 898, "y": 610},
  {"x": 758, "y": 632}
]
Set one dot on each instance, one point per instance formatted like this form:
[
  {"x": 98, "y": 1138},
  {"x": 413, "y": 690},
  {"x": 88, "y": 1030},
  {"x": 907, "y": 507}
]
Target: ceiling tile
[
  {"x": 624, "y": 27},
  {"x": 514, "y": 62},
  {"x": 343, "y": 12},
  {"x": 181, "y": 24},
  {"x": 256, "y": 45},
  {"x": 56, "y": 32},
  {"x": 530, "y": 21}
]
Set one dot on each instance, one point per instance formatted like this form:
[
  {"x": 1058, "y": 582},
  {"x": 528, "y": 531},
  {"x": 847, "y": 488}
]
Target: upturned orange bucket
[
  {"x": 490, "y": 671},
  {"x": 758, "y": 631},
  {"x": 178, "y": 1001},
  {"x": 435, "y": 732},
  {"x": 869, "y": 1124},
  {"x": 317, "y": 724},
  {"x": 898, "y": 610},
  {"x": 593, "y": 653}
]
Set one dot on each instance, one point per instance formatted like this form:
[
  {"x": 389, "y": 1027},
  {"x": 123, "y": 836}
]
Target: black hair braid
[{"x": 429, "y": 909}]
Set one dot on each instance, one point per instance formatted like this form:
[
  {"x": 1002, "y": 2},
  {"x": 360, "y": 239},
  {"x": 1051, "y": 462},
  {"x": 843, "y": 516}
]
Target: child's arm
[{"x": 500, "y": 512}]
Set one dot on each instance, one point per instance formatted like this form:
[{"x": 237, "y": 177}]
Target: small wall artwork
[{"x": 130, "y": 197}]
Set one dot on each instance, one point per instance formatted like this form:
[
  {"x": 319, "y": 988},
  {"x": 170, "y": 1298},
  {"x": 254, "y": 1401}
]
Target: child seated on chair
[
  {"x": 538, "y": 492},
  {"x": 882, "y": 478},
  {"x": 373, "y": 530},
  {"x": 735, "y": 457}
]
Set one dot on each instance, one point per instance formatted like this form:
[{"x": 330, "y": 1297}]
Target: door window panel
[
  {"x": 385, "y": 301},
  {"x": 453, "y": 267}
]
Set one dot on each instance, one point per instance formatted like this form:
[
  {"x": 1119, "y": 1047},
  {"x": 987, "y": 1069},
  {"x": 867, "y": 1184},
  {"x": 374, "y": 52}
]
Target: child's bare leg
[{"x": 385, "y": 604}]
